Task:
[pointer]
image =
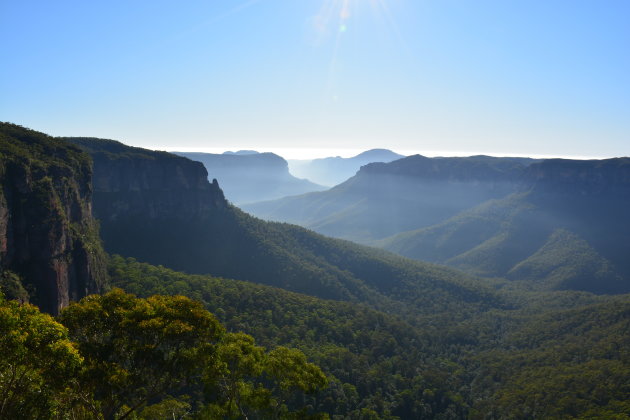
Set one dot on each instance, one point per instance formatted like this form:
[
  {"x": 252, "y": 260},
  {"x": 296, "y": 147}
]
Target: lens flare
[{"x": 334, "y": 19}]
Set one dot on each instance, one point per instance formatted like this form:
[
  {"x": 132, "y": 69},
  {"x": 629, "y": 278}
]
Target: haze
[{"x": 438, "y": 77}]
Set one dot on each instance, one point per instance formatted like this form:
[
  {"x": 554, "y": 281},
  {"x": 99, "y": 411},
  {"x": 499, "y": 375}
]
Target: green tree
[
  {"x": 231, "y": 381},
  {"x": 140, "y": 350},
  {"x": 248, "y": 383},
  {"x": 290, "y": 373},
  {"x": 37, "y": 365}
]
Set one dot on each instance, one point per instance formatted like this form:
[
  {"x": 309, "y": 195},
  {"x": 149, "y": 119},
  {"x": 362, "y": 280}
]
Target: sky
[{"x": 312, "y": 78}]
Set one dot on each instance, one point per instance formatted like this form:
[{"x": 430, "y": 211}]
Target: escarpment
[
  {"x": 48, "y": 237},
  {"x": 152, "y": 205},
  {"x": 138, "y": 183}
]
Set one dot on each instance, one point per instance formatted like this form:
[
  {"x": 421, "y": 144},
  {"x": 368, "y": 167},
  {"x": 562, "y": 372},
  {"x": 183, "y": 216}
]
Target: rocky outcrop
[
  {"x": 472, "y": 169},
  {"x": 582, "y": 177},
  {"x": 47, "y": 234},
  {"x": 248, "y": 177},
  {"x": 158, "y": 207},
  {"x": 131, "y": 182}
]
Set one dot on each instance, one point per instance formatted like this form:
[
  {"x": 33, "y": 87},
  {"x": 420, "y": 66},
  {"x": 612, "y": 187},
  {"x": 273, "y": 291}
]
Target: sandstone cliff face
[
  {"x": 134, "y": 183},
  {"x": 248, "y": 178},
  {"x": 160, "y": 208},
  {"x": 47, "y": 233},
  {"x": 583, "y": 177}
]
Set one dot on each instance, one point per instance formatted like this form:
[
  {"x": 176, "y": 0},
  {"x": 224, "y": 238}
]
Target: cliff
[
  {"x": 144, "y": 198},
  {"x": 384, "y": 199},
  {"x": 566, "y": 227},
  {"x": 135, "y": 182},
  {"x": 47, "y": 234},
  {"x": 581, "y": 177},
  {"x": 472, "y": 169},
  {"x": 248, "y": 177}
]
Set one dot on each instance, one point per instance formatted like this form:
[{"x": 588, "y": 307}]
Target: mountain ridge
[
  {"x": 219, "y": 240},
  {"x": 332, "y": 171},
  {"x": 250, "y": 177}
]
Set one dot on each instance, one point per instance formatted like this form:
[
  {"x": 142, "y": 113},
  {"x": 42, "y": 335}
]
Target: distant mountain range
[
  {"x": 559, "y": 224},
  {"x": 331, "y": 171},
  {"x": 384, "y": 199},
  {"x": 160, "y": 208},
  {"x": 247, "y": 176},
  {"x": 397, "y": 338}
]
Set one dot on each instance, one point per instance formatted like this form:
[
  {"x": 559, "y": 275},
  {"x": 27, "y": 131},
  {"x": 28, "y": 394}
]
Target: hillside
[
  {"x": 50, "y": 253},
  {"x": 570, "y": 363},
  {"x": 567, "y": 230},
  {"x": 554, "y": 354},
  {"x": 396, "y": 338},
  {"x": 140, "y": 210},
  {"x": 370, "y": 357},
  {"x": 384, "y": 199},
  {"x": 247, "y": 176},
  {"x": 331, "y": 171}
]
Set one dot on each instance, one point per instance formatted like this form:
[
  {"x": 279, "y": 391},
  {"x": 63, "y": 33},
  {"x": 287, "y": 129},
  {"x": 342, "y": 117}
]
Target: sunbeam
[{"x": 334, "y": 20}]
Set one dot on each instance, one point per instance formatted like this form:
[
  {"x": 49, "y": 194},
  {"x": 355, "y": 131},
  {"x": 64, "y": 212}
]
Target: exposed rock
[
  {"x": 251, "y": 177},
  {"x": 47, "y": 233},
  {"x": 134, "y": 182},
  {"x": 592, "y": 177}
]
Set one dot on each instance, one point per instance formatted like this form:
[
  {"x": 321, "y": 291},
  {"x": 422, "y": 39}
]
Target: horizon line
[{"x": 296, "y": 153}]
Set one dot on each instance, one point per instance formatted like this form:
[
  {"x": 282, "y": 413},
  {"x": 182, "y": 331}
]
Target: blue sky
[{"x": 435, "y": 76}]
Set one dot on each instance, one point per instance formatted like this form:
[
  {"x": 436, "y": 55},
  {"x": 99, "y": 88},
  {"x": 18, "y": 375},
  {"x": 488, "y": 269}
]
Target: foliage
[
  {"x": 372, "y": 358},
  {"x": 38, "y": 363},
  {"x": 564, "y": 364},
  {"x": 11, "y": 286},
  {"x": 155, "y": 356},
  {"x": 138, "y": 349},
  {"x": 250, "y": 383},
  {"x": 486, "y": 365}
]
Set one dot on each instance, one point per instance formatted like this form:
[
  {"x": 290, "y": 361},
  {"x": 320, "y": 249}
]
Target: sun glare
[{"x": 335, "y": 18}]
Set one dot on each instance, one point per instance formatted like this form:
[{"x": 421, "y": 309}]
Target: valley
[{"x": 520, "y": 311}]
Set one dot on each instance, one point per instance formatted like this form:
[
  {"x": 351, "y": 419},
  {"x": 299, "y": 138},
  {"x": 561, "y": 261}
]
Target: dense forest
[
  {"x": 559, "y": 344},
  {"x": 115, "y": 356},
  {"x": 205, "y": 312},
  {"x": 551, "y": 224}
]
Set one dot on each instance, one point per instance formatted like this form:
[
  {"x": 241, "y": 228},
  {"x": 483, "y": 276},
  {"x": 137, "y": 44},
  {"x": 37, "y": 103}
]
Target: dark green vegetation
[
  {"x": 536, "y": 360},
  {"x": 145, "y": 222},
  {"x": 49, "y": 245},
  {"x": 553, "y": 224},
  {"x": 116, "y": 356},
  {"x": 372, "y": 358},
  {"x": 246, "y": 178},
  {"x": 331, "y": 171},
  {"x": 563, "y": 364},
  {"x": 394, "y": 338}
]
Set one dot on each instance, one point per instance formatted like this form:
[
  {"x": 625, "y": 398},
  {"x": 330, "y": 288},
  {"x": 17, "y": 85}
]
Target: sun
[
  {"x": 338, "y": 13},
  {"x": 335, "y": 18}
]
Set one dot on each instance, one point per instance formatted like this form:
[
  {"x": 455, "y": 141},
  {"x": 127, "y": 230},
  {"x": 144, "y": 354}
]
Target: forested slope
[
  {"x": 568, "y": 229},
  {"x": 384, "y": 199},
  {"x": 141, "y": 219},
  {"x": 537, "y": 359}
]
